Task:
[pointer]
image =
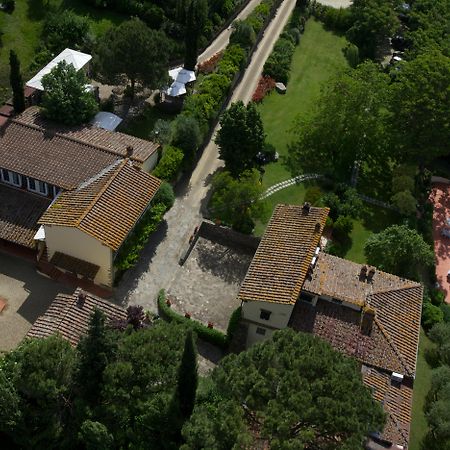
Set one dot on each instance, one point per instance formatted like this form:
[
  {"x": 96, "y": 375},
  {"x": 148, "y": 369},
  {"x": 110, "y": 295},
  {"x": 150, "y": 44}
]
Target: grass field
[
  {"x": 422, "y": 384},
  {"x": 22, "y": 31}
]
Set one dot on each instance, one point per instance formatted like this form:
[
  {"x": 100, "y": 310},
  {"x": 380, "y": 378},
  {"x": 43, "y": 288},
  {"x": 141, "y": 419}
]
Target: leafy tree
[
  {"x": 349, "y": 124},
  {"x": 242, "y": 34},
  {"x": 95, "y": 436},
  {"x": 237, "y": 202},
  {"x": 431, "y": 315},
  {"x": 196, "y": 13},
  {"x": 440, "y": 377},
  {"x": 187, "y": 378},
  {"x": 293, "y": 388},
  {"x": 65, "y": 29},
  {"x": 399, "y": 250},
  {"x": 15, "y": 79},
  {"x": 240, "y": 138},
  {"x": 420, "y": 102},
  {"x": 373, "y": 21},
  {"x": 96, "y": 349},
  {"x": 66, "y": 99},
  {"x": 186, "y": 135},
  {"x": 402, "y": 183},
  {"x": 405, "y": 202},
  {"x": 134, "y": 51},
  {"x": 165, "y": 195},
  {"x": 440, "y": 334},
  {"x": 37, "y": 378}
]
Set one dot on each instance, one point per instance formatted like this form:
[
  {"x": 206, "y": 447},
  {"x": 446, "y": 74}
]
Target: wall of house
[
  {"x": 279, "y": 319},
  {"x": 150, "y": 163},
  {"x": 74, "y": 242}
]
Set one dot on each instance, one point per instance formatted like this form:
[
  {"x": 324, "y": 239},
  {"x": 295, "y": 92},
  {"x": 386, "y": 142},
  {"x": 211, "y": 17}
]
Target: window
[
  {"x": 265, "y": 315},
  {"x": 11, "y": 177},
  {"x": 37, "y": 186},
  {"x": 261, "y": 331},
  {"x": 55, "y": 191}
]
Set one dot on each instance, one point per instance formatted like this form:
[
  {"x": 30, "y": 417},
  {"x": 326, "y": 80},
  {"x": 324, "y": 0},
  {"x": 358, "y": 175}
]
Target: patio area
[{"x": 440, "y": 197}]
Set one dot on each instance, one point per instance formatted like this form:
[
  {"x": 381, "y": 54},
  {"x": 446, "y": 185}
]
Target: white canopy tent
[
  {"x": 180, "y": 77},
  {"x": 106, "y": 120},
  {"x": 77, "y": 59}
]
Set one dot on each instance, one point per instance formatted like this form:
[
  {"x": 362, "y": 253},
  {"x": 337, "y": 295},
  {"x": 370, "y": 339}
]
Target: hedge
[
  {"x": 211, "y": 335},
  {"x": 170, "y": 164}
]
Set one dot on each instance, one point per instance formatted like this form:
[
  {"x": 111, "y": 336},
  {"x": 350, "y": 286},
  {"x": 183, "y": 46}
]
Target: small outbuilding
[{"x": 106, "y": 120}]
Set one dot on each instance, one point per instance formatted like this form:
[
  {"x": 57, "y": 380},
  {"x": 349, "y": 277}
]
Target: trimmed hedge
[
  {"x": 211, "y": 335},
  {"x": 170, "y": 164},
  {"x": 234, "y": 323}
]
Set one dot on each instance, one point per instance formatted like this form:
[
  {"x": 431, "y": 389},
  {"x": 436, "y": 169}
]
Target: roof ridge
[
  {"x": 395, "y": 289},
  {"x": 101, "y": 192},
  {"x": 399, "y": 428},
  {"x": 392, "y": 344}
]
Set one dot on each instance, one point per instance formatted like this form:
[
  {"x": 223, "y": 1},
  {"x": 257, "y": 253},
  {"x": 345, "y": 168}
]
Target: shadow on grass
[{"x": 377, "y": 219}]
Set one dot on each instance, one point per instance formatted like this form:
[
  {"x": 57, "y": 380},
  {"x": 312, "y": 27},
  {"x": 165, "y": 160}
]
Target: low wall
[{"x": 435, "y": 179}]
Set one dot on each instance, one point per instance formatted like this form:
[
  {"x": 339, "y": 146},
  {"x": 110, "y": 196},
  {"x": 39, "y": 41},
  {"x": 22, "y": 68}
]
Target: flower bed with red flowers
[
  {"x": 210, "y": 64},
  {"x": 265, "y": 85}
]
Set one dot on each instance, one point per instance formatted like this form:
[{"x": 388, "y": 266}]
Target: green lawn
[
  {"x": 22, "y": 31},
  {"x": 318, "y": 57},
  {"x": 422, "y": 384}
]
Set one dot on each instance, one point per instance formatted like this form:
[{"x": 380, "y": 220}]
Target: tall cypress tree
[
  {"x": 16, "y": 82},
  {"x": 196, "y": 13},
  {"x": 187, "y": 378}
]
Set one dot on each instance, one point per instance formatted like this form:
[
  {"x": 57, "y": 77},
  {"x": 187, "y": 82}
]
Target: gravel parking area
[
  {"x": 208, "y": 283},
  {"x": 27, "y": 295}
]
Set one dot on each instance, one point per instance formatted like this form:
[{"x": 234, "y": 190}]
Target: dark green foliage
[
  {"x": 405, "y": 203},
  {"x": 295, "y": 385},
  {"x": 95, "y": 436},
  {"x": 96, "y": 350},
  {"x": 402, "y": 183},
  {"x": 344, "y": 201},
  {"x": 236, "y": 202},
  {"x": 440, "y": 335},
  {"x": 231, "y": 61},
  {"x": 278, "y": 65},
  {"x": 399, "y": 250},
  {"x": 16, "y": 82},
  {"x": 196, "y": 12},
  {"x": 431, "y": 315},
  {"x": 187, "y": 378},
  {"x": 36, "y": 378},
  {"x": 342, "y": 228},
  {"x": 66, "y": 99},
  {"x": 134, "y": 50},
  {"x": 170, "y": 164},
  {"x": 233, "y": 323},
  {"x": 313, "y": 195},
  {"x": 337, "y": 19},
  {"x": 242, "y": 34},
  {"x": 240, "y": 138},
  {"x": 65, "y": 29},
  {"x": 211, "y": 335},
  {"x": 165, "y": 195},
  {"x": 351, "y": 52},
  {"x": 186, "y": 134}
]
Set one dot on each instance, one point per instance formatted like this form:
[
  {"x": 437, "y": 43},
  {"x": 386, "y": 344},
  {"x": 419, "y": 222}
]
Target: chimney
[
  {"x": 81, "y": 298},
  {"x": 306, "y": 207},
  {"x": 371, "y": 274},
  {"x": 363, "y": 273},
  {"x": 317, "y": 227},
  {"x": 368, "y": 315},
  {"x": 129, "y": 152}
]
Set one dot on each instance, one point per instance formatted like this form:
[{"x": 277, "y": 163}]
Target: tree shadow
[{"x": 38, "y": 9}]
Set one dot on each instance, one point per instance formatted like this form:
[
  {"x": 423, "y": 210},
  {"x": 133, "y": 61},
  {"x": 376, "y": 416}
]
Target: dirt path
[
  {"x": 158, "y": 265},
  {"x": 337, "y": 3}
]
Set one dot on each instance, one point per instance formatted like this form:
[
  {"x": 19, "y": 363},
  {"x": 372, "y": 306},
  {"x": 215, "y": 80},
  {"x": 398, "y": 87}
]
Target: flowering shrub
[
  {"x": 210, "y": 64},
  {"x": 265, "y": 85}
]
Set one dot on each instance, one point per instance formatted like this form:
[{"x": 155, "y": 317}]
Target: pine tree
[
  {"x": 16, "y": 82},
  {"x": 187, "y": 378}
]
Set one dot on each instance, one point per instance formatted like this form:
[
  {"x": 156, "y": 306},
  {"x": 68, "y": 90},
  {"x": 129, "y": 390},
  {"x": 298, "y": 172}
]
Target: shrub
[
  {"x": 266, "y": 84},
  {"x": 335, "y": 248},
  {"x": 216, "y": 85},
  {"x": 405, "y": 203},
  {"x": 170, "y": 164},
  {"x": 351, "y": 52},
  {"x": 211, "y": 335},
  {"x": 313, "y": 195},
  {"x": 243, "y": 34},
  {"x": 208, "y": 66},
  {"x": 165, "y": 195},
  {"x": 278, "y": 64},
  {"x": 403, "y": 183},
  {"x": 295, "y": 33},
  {"x": 231, "y": 61},
  {"x": 431, "y": 315},
  {"x": 233, "y": 323},
  {"x": 186, "y": 135},
  {"x": 342, "y": 228}
]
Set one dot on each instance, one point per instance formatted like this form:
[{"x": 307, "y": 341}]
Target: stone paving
[{"x": 208, "y": 283}]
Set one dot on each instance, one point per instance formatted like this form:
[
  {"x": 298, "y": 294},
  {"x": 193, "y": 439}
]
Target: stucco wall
[
  {"x": 74, "y": 242},
  {"x": 150, "y": 163},
  {"x": 253, "y": 337}
]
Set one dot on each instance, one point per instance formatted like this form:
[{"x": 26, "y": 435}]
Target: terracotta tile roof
[
  {"x": 279, "y": 267},
  {"x": 19, "y": 213},
  {"x": 397, "y": 302},
  {"x": 112, "y": 141},
  {"x": 397, "y": 402},
  {"x": 108, "y": 206},
  {"x": 70, "y": 318},
  {"x": 75, "y": 265}
]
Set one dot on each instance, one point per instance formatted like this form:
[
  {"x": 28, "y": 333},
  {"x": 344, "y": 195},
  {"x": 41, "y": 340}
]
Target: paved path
[
  {"x": 158, "y": 265},
  {"x": 337, "y": 3},
  {"x": 222, "y": 40}
]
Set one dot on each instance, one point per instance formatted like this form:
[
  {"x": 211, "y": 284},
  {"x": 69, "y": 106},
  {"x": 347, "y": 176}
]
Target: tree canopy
[
  {"x": 293, "y": 389},
  {"x": 399, "y": 250},
  {"x": 134, "y": 52},
  {"x": 195, "y": 14},
  {"x": 240, "y": 138},
  {"x": 66, "y": 99}
]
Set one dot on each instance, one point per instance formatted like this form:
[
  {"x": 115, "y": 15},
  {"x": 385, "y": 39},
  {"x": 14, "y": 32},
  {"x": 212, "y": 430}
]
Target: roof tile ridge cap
[
  {"x": 399, "y": 428},
  {"x": 392, "y": 344},
  {"x": 67, "y": 303},
  {"x": 101, "y": 192},
  {"x": 395, "y": 289},
  {"x": 20, "y": 121}
]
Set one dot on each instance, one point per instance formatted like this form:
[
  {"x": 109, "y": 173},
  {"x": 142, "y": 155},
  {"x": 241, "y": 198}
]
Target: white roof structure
[
  {"x": 77, "y": 59},
  {"x": 106, "y": 120},
  {"x": 180, "y": 77}
]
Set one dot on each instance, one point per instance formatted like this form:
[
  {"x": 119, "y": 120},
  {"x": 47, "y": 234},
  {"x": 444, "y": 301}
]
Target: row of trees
[{"x": 138, "y": 389}]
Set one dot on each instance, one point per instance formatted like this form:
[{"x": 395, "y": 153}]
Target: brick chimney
[
  {"x": 306, "y": 207},
  {"x": 370, "y": 274},
  {"x": 129, "y": 152},
  {"x": 81, "y": 298},
  {"x": 367, "y": 317}
]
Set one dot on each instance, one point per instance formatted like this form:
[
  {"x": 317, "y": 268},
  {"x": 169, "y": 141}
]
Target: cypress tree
[
  {"x": 16, "y": 82},
  {"x": 196, "y": 14},
  {"x": 187, "y": 378}
]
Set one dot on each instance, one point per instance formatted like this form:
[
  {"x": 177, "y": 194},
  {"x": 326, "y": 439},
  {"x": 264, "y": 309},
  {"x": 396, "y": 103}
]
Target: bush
[
  {"x": 165, "y": 195},
  {"x": 265, "y": 85},
  {"x": 170, "y": 164},
  {"x": 233, "y": 323},
  {"x": 231, "y": 61},
  {"x": 295, "y": 33},
  {"x": 208, "y": 66},
  {"x": 278, "y": 65},
  {"x": 351, "y": 53},
  {"x": 431, "y": 315},
  {"x": 402, "y": 183},
  {"x": 405, "y": 203},
  {"x": 335, "y": 248},
  {"x": 337, "y": 19},
  {"x": 9, "y": 5},
  {"x": 445, "y": 308},
  {"x": 211, "y": 335},
  {"x": 342, "y": 228},
  {"x": 186, "y": 135},
  {"x": 313, "y": 195},
  {"x": 243, "y": 34}
]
